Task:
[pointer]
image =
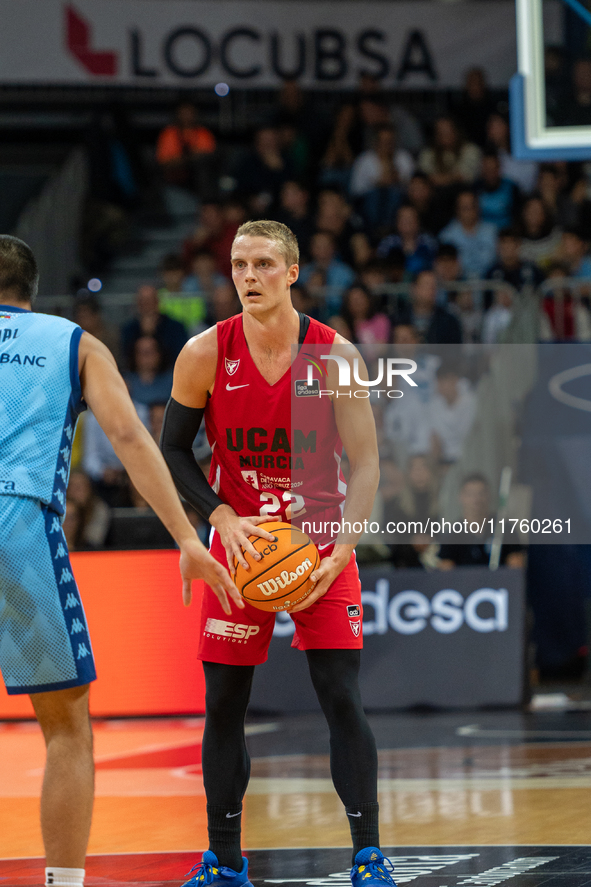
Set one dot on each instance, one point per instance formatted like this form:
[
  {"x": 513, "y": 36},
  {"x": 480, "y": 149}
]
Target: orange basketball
[{"x": 281, "y": 579}]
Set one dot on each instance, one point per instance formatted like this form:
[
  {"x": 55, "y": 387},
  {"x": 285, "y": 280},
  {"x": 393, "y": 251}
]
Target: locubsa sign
[{"x": 257, "y": 43}]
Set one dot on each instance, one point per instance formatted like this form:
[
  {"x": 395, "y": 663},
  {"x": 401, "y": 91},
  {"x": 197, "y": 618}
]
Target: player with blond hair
[{"x": 273, "y": 462}]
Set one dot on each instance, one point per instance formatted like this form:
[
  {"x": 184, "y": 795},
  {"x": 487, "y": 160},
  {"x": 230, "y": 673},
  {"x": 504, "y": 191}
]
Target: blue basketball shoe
[
  {"x": 210, "y": 872},
  {"x": 372, "y": 869}
]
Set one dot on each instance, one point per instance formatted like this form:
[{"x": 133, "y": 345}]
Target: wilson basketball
[{"x": 281, "y": 579}]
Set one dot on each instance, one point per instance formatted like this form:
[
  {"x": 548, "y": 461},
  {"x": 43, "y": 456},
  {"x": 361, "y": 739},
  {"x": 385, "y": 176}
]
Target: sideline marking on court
[{"x": 476, "y": 730}]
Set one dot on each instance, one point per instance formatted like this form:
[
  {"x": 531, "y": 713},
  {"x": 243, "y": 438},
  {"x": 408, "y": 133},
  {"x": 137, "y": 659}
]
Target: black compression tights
[
  {"x": 353, "y": 757},
  {"x": 226, "y": 763}
]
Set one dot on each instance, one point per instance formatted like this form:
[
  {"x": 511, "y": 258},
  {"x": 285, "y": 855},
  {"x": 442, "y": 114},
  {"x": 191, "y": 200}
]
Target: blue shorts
[{"x": 44, "y": 641}]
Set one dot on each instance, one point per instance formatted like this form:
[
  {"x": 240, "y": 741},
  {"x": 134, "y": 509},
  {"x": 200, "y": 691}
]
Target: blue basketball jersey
[{"x": 40, "y": 401}]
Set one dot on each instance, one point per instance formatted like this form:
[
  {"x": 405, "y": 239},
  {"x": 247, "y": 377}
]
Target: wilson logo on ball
[
  {"x": 280, "y": 578},
  {"x": 272, "y": 586}
]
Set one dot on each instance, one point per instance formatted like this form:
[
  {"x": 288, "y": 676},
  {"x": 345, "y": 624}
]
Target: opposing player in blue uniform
[{"x": 49, "y": 371}]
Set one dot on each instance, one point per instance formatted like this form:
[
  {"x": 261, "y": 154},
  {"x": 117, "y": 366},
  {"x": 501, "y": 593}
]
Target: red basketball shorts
[{"x": 243, "y": 638}]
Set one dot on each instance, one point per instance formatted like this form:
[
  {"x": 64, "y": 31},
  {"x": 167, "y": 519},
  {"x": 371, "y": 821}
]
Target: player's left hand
[{"x": 323, "y": 577}]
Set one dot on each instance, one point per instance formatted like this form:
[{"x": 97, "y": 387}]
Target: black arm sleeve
[{"x": 179, "y": 430}]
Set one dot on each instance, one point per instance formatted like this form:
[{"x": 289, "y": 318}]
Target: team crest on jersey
[
  {"x": 231, "y": 366},
  {"x": 251, "y": 478},
  {"x": 355, "y": 627}
]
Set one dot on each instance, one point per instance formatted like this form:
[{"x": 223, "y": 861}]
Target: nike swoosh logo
[
  {"x": 234, "y": 387},
  {"x": 321, "y": 548},
  {"x": 232, "y": 815},
  {"x": 348, "y": 814}
]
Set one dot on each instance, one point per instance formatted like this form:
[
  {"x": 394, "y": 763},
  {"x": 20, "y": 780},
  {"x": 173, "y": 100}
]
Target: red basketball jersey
[{"x": 274, "y": 454}]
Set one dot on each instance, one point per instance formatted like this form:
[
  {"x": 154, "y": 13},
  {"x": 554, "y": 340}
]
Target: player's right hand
[
  {"x": 234, "y": 532},
  {"x": 197, "y": 563}
]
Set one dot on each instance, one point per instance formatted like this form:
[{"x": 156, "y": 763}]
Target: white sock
[{"x": 60, "y": 877}]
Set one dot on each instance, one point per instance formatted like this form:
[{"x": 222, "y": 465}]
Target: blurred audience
[
  {"x": 148, "y": 381},
  {"x": 474, "y": 548},
  {"x": 150, "y": 321},
  {"x": 215, "y": 232},
  {"x": 451, "y": 160},
  {"x": 181, "y": 148},
  {"x": 360, "y": 312},
  {"x": 88, "y": 314},
  {"x": 417, "y": 247},
  {"x": 474, "y": 239},
  {"x": 433, "y": 322},
  {"x": 94, "y": 515}
]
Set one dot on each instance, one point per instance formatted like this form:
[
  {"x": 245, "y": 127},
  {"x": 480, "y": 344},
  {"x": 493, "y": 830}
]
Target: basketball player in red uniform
[{"x": 239, "y": 375}]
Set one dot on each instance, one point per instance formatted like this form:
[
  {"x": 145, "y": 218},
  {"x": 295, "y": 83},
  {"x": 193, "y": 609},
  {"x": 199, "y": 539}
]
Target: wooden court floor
[{"x": 462, "y": 787}]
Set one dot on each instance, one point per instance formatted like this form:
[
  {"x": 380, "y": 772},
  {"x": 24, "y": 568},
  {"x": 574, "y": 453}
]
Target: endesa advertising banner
[
  {"x": 144, "y": 640},
  {"x": 446, "y": 639},
  {"x": 443, "y": 639},
  {"x": 256, "y": 43}
]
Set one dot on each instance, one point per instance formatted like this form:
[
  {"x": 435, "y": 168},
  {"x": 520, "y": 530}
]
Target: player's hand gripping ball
[{"x": 281, "y": 579}]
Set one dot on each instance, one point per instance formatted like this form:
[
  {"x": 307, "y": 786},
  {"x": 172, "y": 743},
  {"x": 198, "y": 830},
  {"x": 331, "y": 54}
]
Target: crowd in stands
[{"x": 400, "y": 224}]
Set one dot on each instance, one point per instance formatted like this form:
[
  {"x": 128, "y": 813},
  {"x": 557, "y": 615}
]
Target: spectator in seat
[
  {"x": 551, "y": 188},
  {"x": 338, "y": 276},
  {"x": 559, "y": 320},
  {"x": 476, "y": 241},
  {"x": 294, "y": 211},
  {"x": 410, "y": 133},
  {"x": 361, "y": 250},
  {"x": 448, "y": 268},
  {"x": 203, "y": 276},
  {"x": 541, "y": 237},
  {"x": 303, "y": 302},
  {"x": 419, "y": 249},
  {"x": 344, "y": 144},
  {"x": 336, "y": 215},
  {"x": 88, "y": 314},
  {"x": 181, "y": 145},
  {"x": 263, "y": 171},
  {"x": 391, "y": 486},
  {"x": 451, "y": 413},
  {"x": 421, "y": 195},
  {"x": 182, "y": 306},
  {"x": 498, "y": 317},
  {"x": 510, "y": 267},
  {"x": 418, "y": 498},
  {"x": 574, "y": 253},
  {"x": 435, "y": 324},
  {"x": 497, "y": 197},
  {"x": 378, "y": 177},
  {"x": 150, "y": 321},
  {"x": 172, "y": 274},
  {"x": 575, "y": 108},
  {"x": 474, "y": 550},
  {"x": 522, "y": 172},
  {"x": 465, "y": 305},
  {"x": 147, "y": 382},
  {"x": 359, "y": 308},
  {"x": 475, "y": 106},
  {"x": 451, "y": 160},
  {"x": 101, "y": 464},
  {"x": 94, "y": 513},
  {"x": 215, "y": 232},
  {"x": 224, "y": 303}
]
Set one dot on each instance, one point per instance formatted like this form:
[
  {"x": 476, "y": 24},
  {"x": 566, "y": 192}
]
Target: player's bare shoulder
[{"x": 195, "y": 368}]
